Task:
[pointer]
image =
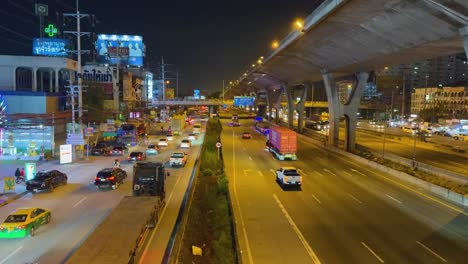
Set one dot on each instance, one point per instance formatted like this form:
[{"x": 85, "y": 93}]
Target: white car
[
  {"x": 152, "y": 150},
  {"x": 170, "y": 137},
  {"x": 163, "y": 142},
  {"x": 185, "y": 143},
  {"x": 192, "y": 137}
]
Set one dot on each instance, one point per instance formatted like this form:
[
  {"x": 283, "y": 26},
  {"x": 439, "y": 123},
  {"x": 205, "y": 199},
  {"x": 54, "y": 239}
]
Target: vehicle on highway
[
  {"x": 283, "y": 143},
  {"x": 152, "y": 150},
  {"x": 192, "y": 137},
  {"x": 196, "y": 129},
  {"x": 110, "y": 177},
  {"x": 24, "y": 222},
  {"x": 136, "y": 156},
  {"x": 118, "y": 151},
  {"x": 461, "y": 137},
  {"x": 288, "y": 176},
  {"x": 410, "y": 130},
  {"x": 318, "y": 125},
  {"x": 100, "y": 149},
  {"x": 263, "y": 128},
  {"x": 235, "y": 117},
  {"x": 170, "y": 137},
  {"x": 178, "y": 124},
  {"x": 178, "y": 159},
  {"x": 162, "y": 142},
  {"x": 46, "y": 180},
  {"x": 185, "y": 143},
  {"x": 234, "y": 124},
  {"x": 246, "y": 135}
]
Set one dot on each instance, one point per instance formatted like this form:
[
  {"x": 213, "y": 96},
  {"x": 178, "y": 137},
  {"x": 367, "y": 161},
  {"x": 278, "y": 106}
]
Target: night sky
[{"x": 206, "y": 41}]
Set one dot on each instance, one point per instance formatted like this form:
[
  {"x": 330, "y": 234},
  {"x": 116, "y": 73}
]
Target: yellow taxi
[{"x": 24, "y": 222}]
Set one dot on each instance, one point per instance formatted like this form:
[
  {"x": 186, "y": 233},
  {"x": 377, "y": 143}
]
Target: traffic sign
[
  {"x": 75, "y": 139},
  {"x": 218, "y": 144},
  {"x": 89, "y": 131}
]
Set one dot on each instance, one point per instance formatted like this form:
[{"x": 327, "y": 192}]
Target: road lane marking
[
  {"x": 371, "y": 251},
  {"x": 273, "y": 171},
  {"x": 11, "y": 254},
  {"x": 302, "y": 172},
  {"x": 356, "y": 199},
  {"x": 431, "y": 251},
  {"x": 316, "y": 199},
  {"x": 306, "y": 245},
  {"x": 244, "y": 231},
  {"x": 260, "y": 173},
  {"x": 250, "y": 158},
  {"x": 145, "y": 251},
  {"x": 319, "y": 173},
  {"x": 329, "y": 171},
  {"x": 356, "y": 171},
  {"x": 80, "y": 201},
  {"x": 393, "y": 198}
]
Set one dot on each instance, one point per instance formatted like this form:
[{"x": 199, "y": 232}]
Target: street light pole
[{"x": 414, "y": 151}]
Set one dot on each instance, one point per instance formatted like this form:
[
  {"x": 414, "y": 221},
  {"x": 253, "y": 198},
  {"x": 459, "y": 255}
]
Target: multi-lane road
[
  {"x": 345, "y": 212},
  {"x": 79, "y": 207}
]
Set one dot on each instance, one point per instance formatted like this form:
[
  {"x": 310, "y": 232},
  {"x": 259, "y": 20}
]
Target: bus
[{"x": 128, "y": 135}]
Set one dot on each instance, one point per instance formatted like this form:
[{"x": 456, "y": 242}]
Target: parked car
[
  {"x": 110, "y": 177},
  {"x": 24, "y": 222},
  {"x": 185, "y": 143},
  {"x": 152, "y": 150},
  {"x": 162, "y": 142},
  {"x": 246, "y": 135},
  {"x": 46, "y": 180},
  {"x": 118, "y": 151},
  {"x": 136, "y": 156}
]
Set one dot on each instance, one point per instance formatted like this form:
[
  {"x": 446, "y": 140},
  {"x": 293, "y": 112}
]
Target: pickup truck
[
  {"x": 288, "y": 176},
  {"x": 178, "y": 159}
]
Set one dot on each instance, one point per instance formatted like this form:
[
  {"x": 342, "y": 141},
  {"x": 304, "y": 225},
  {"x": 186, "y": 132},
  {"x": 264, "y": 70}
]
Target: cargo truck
[
  {"x": 282, "y": 142},
  {"x": 120, "y": 236},
  {"x": 177, "y": 124}
]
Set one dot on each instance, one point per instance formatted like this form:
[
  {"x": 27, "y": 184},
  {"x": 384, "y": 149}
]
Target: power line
[
  {"x": 21, "y": 7},
  {"x": 14, "y": 32},
  {"x": 17, "y": 17}
]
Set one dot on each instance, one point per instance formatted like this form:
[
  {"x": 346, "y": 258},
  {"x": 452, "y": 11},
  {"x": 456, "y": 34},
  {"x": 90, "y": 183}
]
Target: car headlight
[{"x": 43, "y": 185}]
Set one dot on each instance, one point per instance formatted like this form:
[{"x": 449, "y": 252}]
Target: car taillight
[
  {"x": 120, "y": 152},
  {"x": 129, "y": 158},
  {"x": 2, "y": 228},
  {"x": 111, "y": 178},
  {"x": 139, "y": 157},
  {"x": 96, "y": 178},
  {"x": 20, "y": 227}
]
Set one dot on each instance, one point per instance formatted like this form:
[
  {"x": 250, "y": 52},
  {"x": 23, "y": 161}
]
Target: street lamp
[
  {"x": 275, "y": 44},
  {"x": 299, "y": 24}
]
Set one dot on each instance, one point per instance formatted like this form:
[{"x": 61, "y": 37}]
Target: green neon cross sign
[{"x": 51, "y": 30}]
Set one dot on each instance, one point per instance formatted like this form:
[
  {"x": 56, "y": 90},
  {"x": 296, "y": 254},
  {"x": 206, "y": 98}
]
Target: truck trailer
[
  {"x": 177, "y": 124},
  {"x": 282, "y": 143}
]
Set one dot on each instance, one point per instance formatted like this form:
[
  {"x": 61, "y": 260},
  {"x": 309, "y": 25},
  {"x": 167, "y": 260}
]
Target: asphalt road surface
[
  {"x": 345, "y": 212},
  {"x": 78, "y": 208}
]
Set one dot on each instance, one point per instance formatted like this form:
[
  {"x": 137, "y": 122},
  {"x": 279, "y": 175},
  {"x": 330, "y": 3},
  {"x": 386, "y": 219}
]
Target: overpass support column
[
  {"x": 300, "y": 107},
  {"x": 291, "y": 106},
  {"x": 464, "y": 33},
  {"x": 274, "y": 102},
  {"x": 334, "y": 108},
  {"x": 350, "y": 109}
]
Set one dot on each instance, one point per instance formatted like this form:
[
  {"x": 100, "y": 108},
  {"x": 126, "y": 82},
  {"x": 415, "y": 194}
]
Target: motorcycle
[{"x": 20, "y": 179}]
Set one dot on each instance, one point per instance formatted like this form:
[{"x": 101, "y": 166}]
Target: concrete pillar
[
  {"x": 333, "y": 107},
  {"x": 273, "y": 100},
  {"x": 464, "y": 33},
  {"x": 350, "y": 110},
  {"x": 34, "y": 79},
  {"x": 14, "y": 78},
  {"x": 56, "y": 88},
  {"x": 300, "y": 107},
  {"x": 51, "y": 82},
  {"x": 291, "y": 106}
]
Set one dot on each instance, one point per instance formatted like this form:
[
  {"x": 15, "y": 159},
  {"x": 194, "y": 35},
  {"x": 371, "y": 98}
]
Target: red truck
[{"x": 283, "y": 143}]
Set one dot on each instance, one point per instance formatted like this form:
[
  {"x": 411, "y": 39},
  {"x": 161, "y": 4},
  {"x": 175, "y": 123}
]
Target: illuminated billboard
[
  {"x": 50, "y": 47},
  {"x": 244, "y": 100},
  {"x": 123, "y": 49}
]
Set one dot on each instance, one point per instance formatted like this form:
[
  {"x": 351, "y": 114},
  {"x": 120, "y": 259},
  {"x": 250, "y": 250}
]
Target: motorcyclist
[
  {"x": 18, "y": 177},
  {"x": 116, "y": 164}
]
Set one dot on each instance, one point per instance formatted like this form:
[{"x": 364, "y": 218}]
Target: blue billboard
[
  {"x": 50, "y": 47},
  {"x": 244, "y": 100},
  {"x": 123, "y": 49}
]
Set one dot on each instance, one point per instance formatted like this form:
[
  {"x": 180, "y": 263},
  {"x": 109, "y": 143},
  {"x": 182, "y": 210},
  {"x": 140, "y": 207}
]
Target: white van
[{"x": 196, "y": 128}]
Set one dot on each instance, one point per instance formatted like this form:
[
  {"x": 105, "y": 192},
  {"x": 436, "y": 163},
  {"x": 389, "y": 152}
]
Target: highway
[
  {"x": 345, "y": 213},
  {"x": 79, "y": 207}
]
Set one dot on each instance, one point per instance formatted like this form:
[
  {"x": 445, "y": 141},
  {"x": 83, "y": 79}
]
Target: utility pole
[
  {"x": 163, "y": 79},
  {"x": 78, "y": 35},
  {"x": 72, "y": 91}
]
